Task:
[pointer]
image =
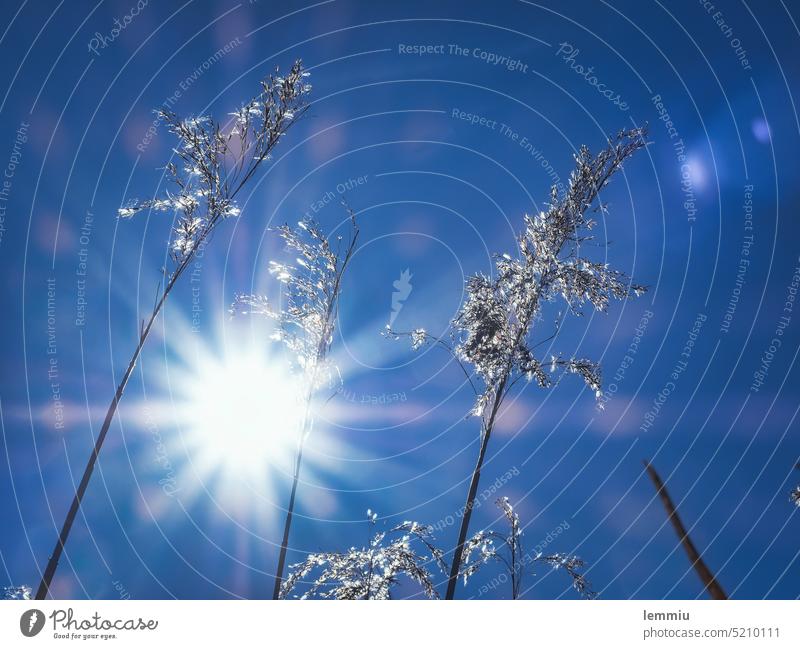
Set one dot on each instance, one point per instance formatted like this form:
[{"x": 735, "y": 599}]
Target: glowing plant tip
[
  {"x": 215, "y": 162},
  {"x": 17, "y": 592}
]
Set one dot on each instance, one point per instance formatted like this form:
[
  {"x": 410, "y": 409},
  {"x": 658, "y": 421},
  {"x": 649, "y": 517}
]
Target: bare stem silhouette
[{"x": 704, "y": 572}]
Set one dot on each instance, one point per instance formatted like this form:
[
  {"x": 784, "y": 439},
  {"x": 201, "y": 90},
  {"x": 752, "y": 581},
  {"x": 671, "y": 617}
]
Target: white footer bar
[{"x": 389, "y": 625}]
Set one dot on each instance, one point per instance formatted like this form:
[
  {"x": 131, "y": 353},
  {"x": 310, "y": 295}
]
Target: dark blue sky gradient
[{"x": 438, "y": 195}]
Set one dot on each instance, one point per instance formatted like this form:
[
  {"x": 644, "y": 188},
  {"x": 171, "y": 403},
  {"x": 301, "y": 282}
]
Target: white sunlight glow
[
  {"x": 226, "y": 421},
  {"x": 243, "y": 415}
]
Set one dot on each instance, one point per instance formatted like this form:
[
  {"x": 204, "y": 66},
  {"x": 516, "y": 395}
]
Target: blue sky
[{"x": 392, "y": 131}]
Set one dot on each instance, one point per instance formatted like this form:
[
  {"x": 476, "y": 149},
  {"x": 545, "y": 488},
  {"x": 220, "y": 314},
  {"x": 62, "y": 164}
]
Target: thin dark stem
[
  {"x": 706, "y": 576},
  {"x": 52, "y": 563},
  {"x": 455, "y": 357},
  {"x": 515, "y": 573},
  {"x": 276, "y": 593},
  {"x": 369, "y": 574},
  {"x": 455, "y": 566},
  {"x": 439, "y": 341}
]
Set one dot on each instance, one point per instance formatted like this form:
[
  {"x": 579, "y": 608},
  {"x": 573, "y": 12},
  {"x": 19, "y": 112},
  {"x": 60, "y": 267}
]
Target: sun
[
  {"x": 226, "y": 420},
  {"x": 241, "y": 416}
]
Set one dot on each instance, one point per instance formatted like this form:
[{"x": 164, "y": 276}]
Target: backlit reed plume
[
  {"x": 492, "y": 333},
  {"x": 305, "y": 324},
  {"x": 214, "y": 162},
  {"x": 507, "y": 549},
  {"x": 369, "y": 572}
]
